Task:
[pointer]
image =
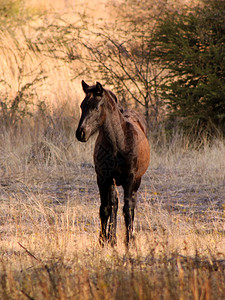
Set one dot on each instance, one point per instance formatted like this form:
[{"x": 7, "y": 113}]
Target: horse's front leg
[
  {"x": 130, "y": 200},
  {"x": 108, "y": 209}
]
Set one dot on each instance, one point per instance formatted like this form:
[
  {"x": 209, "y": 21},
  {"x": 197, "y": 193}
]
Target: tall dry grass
[
  {"x": 50, "y": 223},
  {"x": 49, "y": 202},
  {"x": 49, "y": 240}
]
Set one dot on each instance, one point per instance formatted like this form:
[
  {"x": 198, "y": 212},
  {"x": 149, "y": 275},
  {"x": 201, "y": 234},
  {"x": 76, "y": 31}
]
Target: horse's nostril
[{"x": 82, "y": 135}]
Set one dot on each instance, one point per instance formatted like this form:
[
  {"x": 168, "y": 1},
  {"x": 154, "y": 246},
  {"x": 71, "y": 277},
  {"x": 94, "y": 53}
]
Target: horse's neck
[{"x": 113, "y": 129}]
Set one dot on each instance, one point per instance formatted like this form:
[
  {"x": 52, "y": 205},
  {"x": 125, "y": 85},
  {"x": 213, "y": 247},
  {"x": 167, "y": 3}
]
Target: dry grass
[
  {"x": 50, "y": 225},
  {"x": 49, "y": 202}
]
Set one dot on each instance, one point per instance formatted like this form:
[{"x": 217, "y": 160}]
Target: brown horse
[{"x": 121, "y": 155}]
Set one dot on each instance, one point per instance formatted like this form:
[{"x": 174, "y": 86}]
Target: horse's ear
[
  {"x": 99, "y": 88},
  {"x": 85, "y": 86}
]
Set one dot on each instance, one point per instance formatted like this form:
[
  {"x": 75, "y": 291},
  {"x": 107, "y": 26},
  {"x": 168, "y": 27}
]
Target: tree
[
  {"x": 191, "y": 44},
  {"x": 120, "y": 53},
  {"x": 129, "y": 71}
]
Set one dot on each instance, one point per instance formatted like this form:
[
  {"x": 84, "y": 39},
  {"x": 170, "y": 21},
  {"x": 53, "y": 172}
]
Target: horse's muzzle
[{"x": 80, "y": 135}]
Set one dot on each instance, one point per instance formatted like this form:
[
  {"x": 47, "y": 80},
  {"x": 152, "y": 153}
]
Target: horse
[{"x": 121, "y": 155}]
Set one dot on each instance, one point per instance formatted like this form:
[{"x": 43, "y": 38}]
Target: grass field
[
  {"x": 49, "y": 225},
  {"x": 49, "y": 201}
]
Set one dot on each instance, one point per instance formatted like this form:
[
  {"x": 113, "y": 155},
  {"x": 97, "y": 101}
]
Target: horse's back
[{"x": 136, "y": 119}]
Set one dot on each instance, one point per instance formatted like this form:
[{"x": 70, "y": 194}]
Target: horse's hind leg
[
  {"x": 128, "y": 211},
  {"x": 130, "y": 200},
  {"x": 113, "y": 216}
]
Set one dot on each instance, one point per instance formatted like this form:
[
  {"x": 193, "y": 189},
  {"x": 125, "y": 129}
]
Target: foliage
[
  {"x": 109, "y": 55},
  {"x": 191, "y": 44},
  {"x": 14, "y": 12},
  {"x": 119, "y": 52},
  {"x": 21, "y": 72},
  {"x": 19, "y": 82},
  {"x": 151, "y": 47},
  {"x": 9, "y": 8},
  {"x": 128, "y": 70}
]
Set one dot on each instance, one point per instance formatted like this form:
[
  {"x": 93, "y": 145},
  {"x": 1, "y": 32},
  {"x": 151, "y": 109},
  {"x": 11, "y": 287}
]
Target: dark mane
[
  {"x": 130, "y": 114},
  {"x": 113, "y": 96}
]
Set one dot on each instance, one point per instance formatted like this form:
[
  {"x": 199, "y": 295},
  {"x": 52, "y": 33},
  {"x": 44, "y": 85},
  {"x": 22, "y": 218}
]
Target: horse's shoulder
[{"x": 135, "y": 118}]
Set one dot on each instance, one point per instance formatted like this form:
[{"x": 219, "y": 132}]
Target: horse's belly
[{"x": 143, "y": 157}]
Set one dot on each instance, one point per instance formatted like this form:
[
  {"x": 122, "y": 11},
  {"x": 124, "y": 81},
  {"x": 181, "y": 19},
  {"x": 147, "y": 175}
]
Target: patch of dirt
[{"x": 175, "y": 192}]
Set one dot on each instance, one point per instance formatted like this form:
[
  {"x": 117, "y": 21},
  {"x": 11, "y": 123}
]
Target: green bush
[{"x": 191, "y": 44}]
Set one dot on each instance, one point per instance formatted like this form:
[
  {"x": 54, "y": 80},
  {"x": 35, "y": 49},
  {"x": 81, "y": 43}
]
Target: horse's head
[{"x": 93, "y": 115}]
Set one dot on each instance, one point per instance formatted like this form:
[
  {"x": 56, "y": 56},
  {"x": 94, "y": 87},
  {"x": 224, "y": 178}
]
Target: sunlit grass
[
  {"x": 50, "y": 249},
  {"x": 50, "y": 225}
]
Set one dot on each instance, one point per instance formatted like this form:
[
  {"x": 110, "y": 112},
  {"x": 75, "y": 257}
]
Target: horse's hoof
[
  {"x": 113, "y": 243},
  {"x": 102, "y": 241}
]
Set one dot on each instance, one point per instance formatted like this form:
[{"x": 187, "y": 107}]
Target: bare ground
[{"x": 176, "y": 192}]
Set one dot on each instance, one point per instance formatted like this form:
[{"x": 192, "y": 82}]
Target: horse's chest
[{"x": 109, "y": 165}]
